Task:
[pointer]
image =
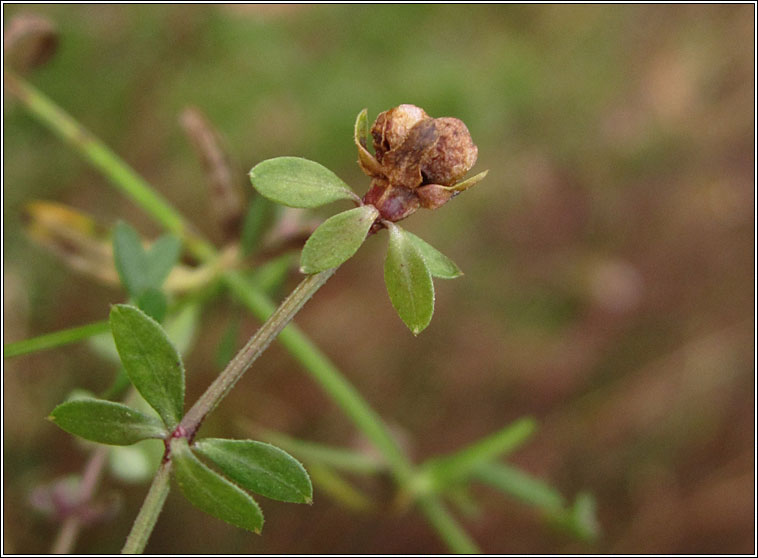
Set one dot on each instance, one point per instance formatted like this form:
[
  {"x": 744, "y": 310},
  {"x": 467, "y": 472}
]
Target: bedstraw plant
[{"x": 418, "y": 162}]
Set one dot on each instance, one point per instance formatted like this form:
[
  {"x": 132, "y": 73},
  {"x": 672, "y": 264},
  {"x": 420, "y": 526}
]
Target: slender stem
[
  {"x": 315, "y": 362},
  {"x": 106, "y": 161},
  {"x": 149, "y": 512},
  {"x": 451, "y": 532},
  {"x": 338, "y": 458},
  {"x": 252, "y": 350},
  {"x": 69, "y": 531},
  {"x": 329, "y": 378},
  {"x": 54, "y": 339}
]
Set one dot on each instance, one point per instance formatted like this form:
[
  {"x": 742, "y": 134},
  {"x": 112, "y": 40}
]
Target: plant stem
[
  {"x": 69, "y": 531},
  {"x": 316, "y": 363},
  {"x": 54, "y": 339},
  {"x": 106, "y": 161},
  {"x": 251, "y": 351},
  {"x": 451, "y": 532},
  {"x": 321, "y": 369},
  {"x": 149, "y": 512}
]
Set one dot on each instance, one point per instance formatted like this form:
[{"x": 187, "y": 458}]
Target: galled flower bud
[
  {"x": 452, "y": 154},
  {"x": 392, "y": 126},
  {"x": 418, "y": 161},
  {"x": 433, "y": 196}
]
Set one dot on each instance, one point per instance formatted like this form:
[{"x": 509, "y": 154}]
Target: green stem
[
  {"x": 54, "y": 339},
  {"x": 106, "y": 161},
  {"x": 445, "y": 471},
  {"x": 251, "y": 351},
  {"x": 328, "y": 377},
  {"x": 69, "y": 531},
  {"x": 149, "y": 512},
  {"x": 335, "y": 457},
  {"x": 451, "y": 532}
]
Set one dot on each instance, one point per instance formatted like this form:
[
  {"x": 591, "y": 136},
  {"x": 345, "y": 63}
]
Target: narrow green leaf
[
  {"x": 339, "y": 489},
  {"x": 211, "y": 492},
  {"x": 161, "y": 258},
  {"x": 408, "y": 281},
  {"x": 360, "y": 135},
  {"x": 337, "y": 239},
  {"x": 130, "y": 258},
  {"x": 584, "y": 513},
  {"x": 260, "y": 468},
  {"x": 452, "y": 468},
  {"x": 469, "y": 182},
  {"x": 360, "y": 132},
  {"x": 521, "y": 485},
  {"x": 260, "y": 215},
  {"x": 151, "y": 361},
  {"x": 298, "y": 182},
  {"x": 438, "y": 263},
  {"x": 339, "y": 458},
  {"x": 54, "y": 339},
  {"x": 106, "y": 422}
]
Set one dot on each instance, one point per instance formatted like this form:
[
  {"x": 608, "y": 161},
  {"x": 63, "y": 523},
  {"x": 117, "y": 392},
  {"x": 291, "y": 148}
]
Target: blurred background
[{"x": 608, "y": 258}]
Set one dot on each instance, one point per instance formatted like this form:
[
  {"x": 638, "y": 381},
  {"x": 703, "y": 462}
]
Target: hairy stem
[
  {"x": 251, "y": 351},
  {"x": 149, "y": 512}
]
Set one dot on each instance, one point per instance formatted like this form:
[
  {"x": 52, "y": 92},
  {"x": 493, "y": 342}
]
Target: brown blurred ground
[{"x": 609, "y": 287}]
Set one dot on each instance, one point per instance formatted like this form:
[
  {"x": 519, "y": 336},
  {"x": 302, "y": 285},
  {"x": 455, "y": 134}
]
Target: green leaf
[
  {"x": 139, "y": 269},
  {"x": 260, "y": 215},
  {"x": 469, "y": 182},
  {"x": 152, "y": 302},
  {"x": 438, "y": 263},
  {"x": 161, "y": 258},
  {"x": 452, "y": 468},
  {"x": 260, "y": 468},
  {"x": 211, "y": 492},
  {"x": 130, "y": 258},
  {"x": 298, "y": 182},
  {"x": 337, "y": 239},
  {"x": 360, "y": 135},
  {"x": 521, "y": 485},
  {"x": 151, "y": 361},
  {"x": 106, "y": 422},
  {"x": 408, "y": 281},
  {"x": 360, "y": 132}
]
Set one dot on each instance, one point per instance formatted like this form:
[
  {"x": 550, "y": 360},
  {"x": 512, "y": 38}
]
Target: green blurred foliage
[{"x": 608, "y": 256}]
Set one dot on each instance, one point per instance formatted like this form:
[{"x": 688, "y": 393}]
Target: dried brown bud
[
  {"x": 433, "y": 196},
  {"x": 392, "y": 126},
  {"x": 452, "y": 154},
  {"x": 418, "y": 161},
  {"x": 29, "y": 41}
]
